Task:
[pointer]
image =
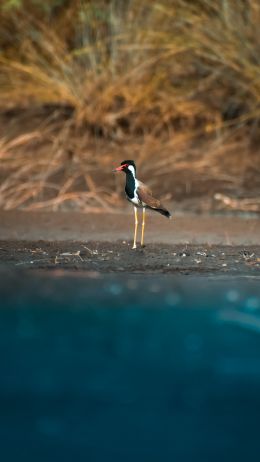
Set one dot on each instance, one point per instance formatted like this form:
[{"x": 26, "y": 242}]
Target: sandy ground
[
  {"x": 198, "y": 245},
  {"x": 107, "y": 227}
]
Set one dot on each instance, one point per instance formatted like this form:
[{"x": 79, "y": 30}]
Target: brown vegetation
[{"x": 173, "y": 84}]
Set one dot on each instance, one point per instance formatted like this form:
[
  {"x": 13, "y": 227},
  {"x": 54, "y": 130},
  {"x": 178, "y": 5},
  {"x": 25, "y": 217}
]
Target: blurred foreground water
[{"x": 129, "y": 368}]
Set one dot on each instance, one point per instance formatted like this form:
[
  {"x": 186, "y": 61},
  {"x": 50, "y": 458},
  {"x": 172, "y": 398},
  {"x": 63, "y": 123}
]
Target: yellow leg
[
  {"x": 136, "y": 226},
  {"x": 143, "y": 226}
]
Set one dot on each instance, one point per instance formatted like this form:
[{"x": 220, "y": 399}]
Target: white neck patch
[{"x": 132, "y": 170}]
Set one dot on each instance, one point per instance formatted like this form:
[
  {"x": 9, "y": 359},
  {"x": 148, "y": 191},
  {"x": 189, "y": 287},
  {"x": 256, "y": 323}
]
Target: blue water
[{"x": 129, "y": 368}]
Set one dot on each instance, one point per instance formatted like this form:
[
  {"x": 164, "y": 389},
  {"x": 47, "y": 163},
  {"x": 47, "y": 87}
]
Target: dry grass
[{"x": 174, "y": 84}]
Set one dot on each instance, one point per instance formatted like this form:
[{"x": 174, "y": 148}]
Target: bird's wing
[{"x": 145, "y": 196}]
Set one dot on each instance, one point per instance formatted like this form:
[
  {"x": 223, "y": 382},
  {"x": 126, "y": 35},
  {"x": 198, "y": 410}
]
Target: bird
[{"x": 140, "y": 196}]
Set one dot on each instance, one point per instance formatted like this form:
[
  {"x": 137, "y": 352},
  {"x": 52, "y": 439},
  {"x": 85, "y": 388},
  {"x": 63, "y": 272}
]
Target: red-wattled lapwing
[{"x": 140, "y": 195}]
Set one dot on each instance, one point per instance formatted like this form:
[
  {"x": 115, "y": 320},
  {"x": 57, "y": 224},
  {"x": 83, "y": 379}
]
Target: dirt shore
[
  {"x": 197, "y": 245},
  {"x": 105, "y": 257}
]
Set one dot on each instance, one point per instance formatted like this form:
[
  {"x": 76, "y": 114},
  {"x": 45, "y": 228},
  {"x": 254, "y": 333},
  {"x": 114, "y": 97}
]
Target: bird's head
[{"x": 126, "y": 166}]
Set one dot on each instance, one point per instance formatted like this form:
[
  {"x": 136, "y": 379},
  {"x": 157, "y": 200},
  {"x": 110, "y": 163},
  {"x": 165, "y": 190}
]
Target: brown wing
[{"x": 145, "y": 196}]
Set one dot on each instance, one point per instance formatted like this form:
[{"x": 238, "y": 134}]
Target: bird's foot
[{"x": 134, "y": 246}]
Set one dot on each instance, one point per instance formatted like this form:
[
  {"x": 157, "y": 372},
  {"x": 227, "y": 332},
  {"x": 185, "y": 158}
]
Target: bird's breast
[{"x": 134, "y": 200}]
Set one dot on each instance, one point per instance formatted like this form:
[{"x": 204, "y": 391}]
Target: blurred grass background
[{"x": 173, "y": 84}]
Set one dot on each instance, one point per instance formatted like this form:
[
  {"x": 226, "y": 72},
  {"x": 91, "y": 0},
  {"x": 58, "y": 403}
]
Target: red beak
[{"x": 120, "y": 168}]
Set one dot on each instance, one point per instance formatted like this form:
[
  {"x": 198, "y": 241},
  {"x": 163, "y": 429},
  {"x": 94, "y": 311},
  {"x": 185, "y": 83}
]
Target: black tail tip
[{"x": 165, "y": 212}]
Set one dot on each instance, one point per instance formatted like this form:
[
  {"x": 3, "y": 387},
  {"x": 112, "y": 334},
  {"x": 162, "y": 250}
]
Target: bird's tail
[{"x": 164, "y": 212}]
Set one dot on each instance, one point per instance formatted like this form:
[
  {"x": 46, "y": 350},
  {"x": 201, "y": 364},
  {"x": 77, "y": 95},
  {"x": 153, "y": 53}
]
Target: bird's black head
[{"x": 126, "y": 166}]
